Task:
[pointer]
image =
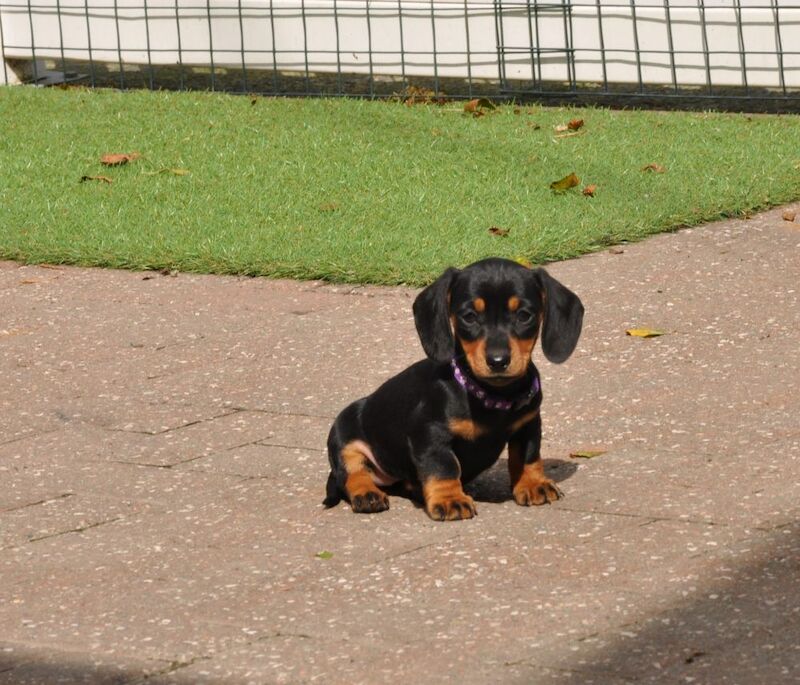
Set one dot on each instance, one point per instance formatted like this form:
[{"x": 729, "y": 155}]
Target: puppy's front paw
[
  {"x": 445, "y": 500},
  {"x": 530, "y": 491}
]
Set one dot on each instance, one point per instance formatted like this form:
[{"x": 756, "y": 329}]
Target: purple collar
[{"x": 489, "y": 401}]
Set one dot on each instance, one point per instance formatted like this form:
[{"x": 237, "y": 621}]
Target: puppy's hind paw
[{"x": 370, "y": 502}]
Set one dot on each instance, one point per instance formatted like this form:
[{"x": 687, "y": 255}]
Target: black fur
[{"x": 417, "y": 424}]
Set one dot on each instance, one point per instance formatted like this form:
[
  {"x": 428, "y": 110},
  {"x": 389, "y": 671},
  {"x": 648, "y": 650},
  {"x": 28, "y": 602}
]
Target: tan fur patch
[
  {"x": 466, "y": 428},
  {"x": 359, "y": 479},
  {"x": 476, "y": 355},
  {"x": 445, "y": 500},
  {"x": 528, "y": 482},
  {"x": 522, "y": 420},
  {"x": 521, "y": 349}
]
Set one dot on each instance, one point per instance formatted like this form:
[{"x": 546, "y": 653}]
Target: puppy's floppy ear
[
  {"x": 432, "y": 317},
  {"x": 563, "y": 318}
]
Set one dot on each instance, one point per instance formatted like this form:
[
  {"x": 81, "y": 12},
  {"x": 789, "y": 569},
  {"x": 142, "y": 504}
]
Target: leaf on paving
[
  {"x": 524, "y": 262},
  {"x": 655, "y": 168},
  {"x": 590, "y": 190},
  {"x": 324, "y": 555},
  {"x": 616, "y": 250},
  {"x": 565, "y": 183},
  {"x": 586, "y": 454},
  {"x": 575, "y": 124},
  {"x": 166, "y": 271},
  {"x": 496, "y": 230},
  {"x": 789, "y": 215},
  {"x": 104, "y": 179},
  {"x": 645, "y": 332},
  {"x": 29, "y": 281},
  {"x": 118, "y": 159},
  {"x": 328, "y": 207}
]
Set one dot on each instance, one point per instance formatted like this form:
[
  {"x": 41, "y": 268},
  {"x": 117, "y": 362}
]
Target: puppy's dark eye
[
  {"x": 524, "y": 316},
  {"x": 469, "y": 317}
]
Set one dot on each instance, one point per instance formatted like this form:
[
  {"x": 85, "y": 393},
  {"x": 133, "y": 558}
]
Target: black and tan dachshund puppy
[{"x": 447, "y": 418}]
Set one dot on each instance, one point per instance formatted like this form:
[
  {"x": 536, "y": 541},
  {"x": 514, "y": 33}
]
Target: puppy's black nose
[{"x": 498, "y": 361}]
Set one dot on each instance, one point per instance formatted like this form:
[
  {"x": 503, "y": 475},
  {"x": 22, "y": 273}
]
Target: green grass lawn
[{"x": 361, "y": 191}]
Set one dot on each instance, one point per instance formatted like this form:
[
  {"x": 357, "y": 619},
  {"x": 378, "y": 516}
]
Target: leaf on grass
[
  {"x": 645, "y": 332},
  {"x": 575, "y": 124},
  {"x": 561, "y": 128},
  {"x": 524, "y": 262},
  {"x": 478, "y": 104},
  {"x": 586, "y": 454},
  {"x": 328, "y": 207},
  {"x": 174, "y": 172},
  {"x": 118, "y": 159},
  {"x": 417, "y": 95},
  {"x": 590, "y": 190},
  {"x": 104, "y": 179},
  {"x": 533, "y": 125},
  {"x": 324, "y": 555},
  {"x": 655, "y": 168},
  {"x": 496, "y": 230},
  {"x": 789, "y": 215},
  {"x": 565, "y": 183}
]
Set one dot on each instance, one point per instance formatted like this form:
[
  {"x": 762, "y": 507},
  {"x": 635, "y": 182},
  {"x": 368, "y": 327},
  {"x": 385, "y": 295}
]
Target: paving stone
[{"x": 162, "y": 455}]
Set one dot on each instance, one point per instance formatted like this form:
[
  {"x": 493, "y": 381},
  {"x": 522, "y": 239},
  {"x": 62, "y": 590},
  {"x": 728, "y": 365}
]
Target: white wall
[{"x": 278, "y": 25}]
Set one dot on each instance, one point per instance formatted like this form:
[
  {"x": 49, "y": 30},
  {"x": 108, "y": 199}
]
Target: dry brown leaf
[
  {"x": 590, "y": 190},
  {"x": 655, "y": 168},
  {"x": 104, "y": 179},
  {"x": 586, "y": 454},
  {"x": 561, "y": 128},
  {"x": 616, "y": 250},
  {"x": 789, "y": 215},
  {"x": 533, "y": 125},
  {"x": 644, "y": 332},
  {"x": 496, "y": 230},
  {"x": 118, "y": 159},
  {"x": 565, "y": 183},
  {"x": 575, "y": 124},
  {"x": 174, "y": 172},
  {"x": 478, "y": 106}
]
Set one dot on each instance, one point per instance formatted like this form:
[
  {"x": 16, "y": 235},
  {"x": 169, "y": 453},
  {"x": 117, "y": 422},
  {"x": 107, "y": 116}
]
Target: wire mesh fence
[{"x": 714, "y": 51}]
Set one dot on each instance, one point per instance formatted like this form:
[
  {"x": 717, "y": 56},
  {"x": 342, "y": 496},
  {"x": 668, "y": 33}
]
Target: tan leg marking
[
  {"x": 365, "y": 497},
  {"x": 445, "y": 500},
  {"x": 528, "y": 482},
  {"x": 522, "y": 420}
]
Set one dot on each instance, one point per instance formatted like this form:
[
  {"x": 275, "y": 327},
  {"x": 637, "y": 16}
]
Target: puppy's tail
[{"x": 332, "y": 491}]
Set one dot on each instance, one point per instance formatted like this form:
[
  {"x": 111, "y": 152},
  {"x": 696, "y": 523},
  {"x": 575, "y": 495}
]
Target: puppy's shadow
[{"x": 493, "y": 485}]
